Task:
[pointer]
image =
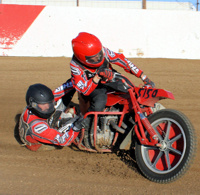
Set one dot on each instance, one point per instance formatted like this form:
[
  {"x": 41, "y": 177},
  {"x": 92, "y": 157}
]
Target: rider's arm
[
  {"x": 41, "y": 131},
  {"x": 80, "y": 81},
  {"x": 63, "y": 90},
  {"x": 120, "y": 60}
]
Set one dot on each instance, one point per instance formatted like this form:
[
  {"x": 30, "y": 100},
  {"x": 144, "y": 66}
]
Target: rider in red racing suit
[
  {"x": 38, "y": 127},
  {"x": 91, "y": 63}
]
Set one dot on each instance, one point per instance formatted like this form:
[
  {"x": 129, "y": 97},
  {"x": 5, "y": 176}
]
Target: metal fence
[{"x": 130, "y": 4}]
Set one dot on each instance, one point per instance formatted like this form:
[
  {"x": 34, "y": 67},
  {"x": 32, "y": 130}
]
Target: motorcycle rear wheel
[{"x": 170, "y": 161}]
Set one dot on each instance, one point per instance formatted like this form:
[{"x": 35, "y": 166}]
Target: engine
[{"x": 105, "y": 133}]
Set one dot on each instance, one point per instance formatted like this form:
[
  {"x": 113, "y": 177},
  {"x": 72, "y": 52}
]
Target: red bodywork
[{"x": 131, "y": 102}]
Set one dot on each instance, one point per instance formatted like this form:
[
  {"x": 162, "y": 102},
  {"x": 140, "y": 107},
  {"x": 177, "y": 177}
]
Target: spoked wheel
[{"x": 177, "y": 145}]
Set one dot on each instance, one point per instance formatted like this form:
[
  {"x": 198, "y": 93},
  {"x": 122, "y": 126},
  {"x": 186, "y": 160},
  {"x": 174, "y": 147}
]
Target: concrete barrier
[{"x": 47, "y": 31}]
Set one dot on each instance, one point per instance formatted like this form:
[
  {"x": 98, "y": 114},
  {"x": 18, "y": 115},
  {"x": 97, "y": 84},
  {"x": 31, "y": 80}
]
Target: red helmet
[{"x": 87, "y": 49}]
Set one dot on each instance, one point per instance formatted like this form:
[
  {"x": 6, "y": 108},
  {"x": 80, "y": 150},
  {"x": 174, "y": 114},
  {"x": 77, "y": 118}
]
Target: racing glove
[
  {"x": 74, "y": 123},
  {"x": 147, "y": 82},
  {"x": 105, "y": 74}
]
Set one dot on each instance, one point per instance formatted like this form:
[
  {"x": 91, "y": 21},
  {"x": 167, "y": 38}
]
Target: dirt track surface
[{"x": 69, "y": 171}]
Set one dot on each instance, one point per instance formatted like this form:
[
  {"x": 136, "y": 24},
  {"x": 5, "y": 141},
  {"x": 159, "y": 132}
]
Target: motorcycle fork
[{"x": 143, "y": 122}]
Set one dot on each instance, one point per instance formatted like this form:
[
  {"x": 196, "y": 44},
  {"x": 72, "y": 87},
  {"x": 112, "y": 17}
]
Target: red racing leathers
[
  {"x": 35, "y": 130},
  {"x": 65, "y": 89},
  {"x": 82, "y": 76}
]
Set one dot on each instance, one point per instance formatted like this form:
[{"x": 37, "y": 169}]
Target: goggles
[
  {"x": 95, "y": 59},
  {"x": 45, "y": 108}
]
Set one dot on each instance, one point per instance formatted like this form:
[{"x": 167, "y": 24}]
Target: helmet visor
[
  {"x": 95, "y": 59},
  {"x": 46, "y": 108}
]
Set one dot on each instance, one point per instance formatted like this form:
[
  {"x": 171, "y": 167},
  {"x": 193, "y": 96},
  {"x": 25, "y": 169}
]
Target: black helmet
[{"x": 40, "y": 94}]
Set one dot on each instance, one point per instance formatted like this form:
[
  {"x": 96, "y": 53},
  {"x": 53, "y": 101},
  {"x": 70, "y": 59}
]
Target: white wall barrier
[{"x": 47, "y": 31}]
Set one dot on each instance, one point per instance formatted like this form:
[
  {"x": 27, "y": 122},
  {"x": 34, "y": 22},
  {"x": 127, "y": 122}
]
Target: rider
[
  {"x": 91, "y": 63},
  {"x": 41, "y": 126}
]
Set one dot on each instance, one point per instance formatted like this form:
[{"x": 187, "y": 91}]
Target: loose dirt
[{"x": 70, "y": 171}]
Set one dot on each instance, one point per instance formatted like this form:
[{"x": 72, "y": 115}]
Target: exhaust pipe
[{"x": 116, "y": 127}]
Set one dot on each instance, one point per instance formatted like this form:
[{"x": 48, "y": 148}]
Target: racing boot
[{"x": 87, "y": 125}]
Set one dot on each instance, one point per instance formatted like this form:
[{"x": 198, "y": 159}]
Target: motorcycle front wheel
[{"x": 173, "y": 157}]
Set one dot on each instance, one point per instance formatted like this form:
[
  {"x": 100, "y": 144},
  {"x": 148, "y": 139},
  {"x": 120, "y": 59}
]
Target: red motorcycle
[{"x": 163, "y": 139}]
